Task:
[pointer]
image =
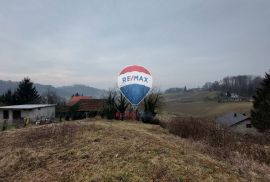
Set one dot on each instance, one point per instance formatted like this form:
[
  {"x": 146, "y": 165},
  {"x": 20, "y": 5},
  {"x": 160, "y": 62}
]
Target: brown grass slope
[{"x": 96, "y": 150}]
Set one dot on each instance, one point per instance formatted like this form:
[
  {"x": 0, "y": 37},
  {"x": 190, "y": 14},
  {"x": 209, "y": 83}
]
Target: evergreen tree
[
  {"x": 8, "y": 98},
  {"x": 151, "y": 103},
  {"x": 110, "y": 109},
  {"x": 260, "y": 114},
  {"x": 26, "y": 93},
  {"x": 122, "y": 105}
]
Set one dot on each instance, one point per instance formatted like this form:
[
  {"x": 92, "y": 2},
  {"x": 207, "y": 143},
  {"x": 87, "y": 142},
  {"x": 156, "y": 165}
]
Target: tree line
[
  {"x": 116, "y": 102},
  {"x": 244, "y": 85},
  {"x": 175, "y": 90},
  {"x": 26, "y": 93}
]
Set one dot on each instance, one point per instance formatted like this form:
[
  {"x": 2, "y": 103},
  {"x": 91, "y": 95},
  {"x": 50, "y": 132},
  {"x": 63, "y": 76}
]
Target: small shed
[
  {"x": 32, "y": 111},
  {"x": 239, "y": 122}
]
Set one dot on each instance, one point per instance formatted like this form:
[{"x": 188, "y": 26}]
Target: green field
[{"x": 201, "y": 104}]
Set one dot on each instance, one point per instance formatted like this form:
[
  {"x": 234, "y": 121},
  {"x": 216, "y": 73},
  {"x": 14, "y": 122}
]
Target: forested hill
[
  {"x": 244, "y": 85},
  {"x": 64, "y": 91}
]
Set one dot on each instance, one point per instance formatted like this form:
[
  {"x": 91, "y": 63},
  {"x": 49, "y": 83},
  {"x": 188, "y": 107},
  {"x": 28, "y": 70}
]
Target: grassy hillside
[
  {"x": 201, "y": 104},
  {"x": 109, "y": 151}
]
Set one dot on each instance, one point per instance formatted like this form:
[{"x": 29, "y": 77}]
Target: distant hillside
[
  {"x": 176, "y": 90},
  {"x": 65, "y": 91},
  {"x": 200, "y": 104},
  {"x": 5, "y": 85},
  {"x": 191, "y": 96}
]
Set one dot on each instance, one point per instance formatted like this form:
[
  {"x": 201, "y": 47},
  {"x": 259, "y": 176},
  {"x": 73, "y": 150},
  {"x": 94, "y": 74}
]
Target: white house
[{"x": 32, "y": 111}]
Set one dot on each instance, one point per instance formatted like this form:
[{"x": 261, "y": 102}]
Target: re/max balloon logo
[
  {"x": 135, "y": 78},
  {"x": 135, "y": 82}
]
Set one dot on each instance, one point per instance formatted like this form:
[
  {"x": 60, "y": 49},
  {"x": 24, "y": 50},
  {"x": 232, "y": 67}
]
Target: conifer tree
[
  {"x": 8, "y": 98},
  {"x": 26, "y": 93},
  {"x": 110, "y": 109},
  {"x": 151, "y": 103},
  {"x": 260, "y": 114},
  {"x": 122, "y": 105}
]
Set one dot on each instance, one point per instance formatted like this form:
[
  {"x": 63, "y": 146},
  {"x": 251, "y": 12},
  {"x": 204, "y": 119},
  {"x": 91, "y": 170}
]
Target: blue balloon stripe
[{"x": 135, "y": 93}]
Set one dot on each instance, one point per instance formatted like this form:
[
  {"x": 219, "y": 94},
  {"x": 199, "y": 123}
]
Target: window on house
[
  {"x": 6, "y": 115},
  {"x": 249, "y": 126},
  {"x": 16, "y": 114}
]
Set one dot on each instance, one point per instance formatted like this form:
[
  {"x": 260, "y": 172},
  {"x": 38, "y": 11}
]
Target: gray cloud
[{"x": 181, "y": 42}]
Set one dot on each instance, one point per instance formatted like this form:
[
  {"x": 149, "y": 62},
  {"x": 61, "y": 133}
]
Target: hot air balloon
[{"x": 135, "y": 82}]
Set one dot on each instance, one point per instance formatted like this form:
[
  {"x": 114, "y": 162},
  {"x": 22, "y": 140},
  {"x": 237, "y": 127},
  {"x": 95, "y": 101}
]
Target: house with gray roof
[
  {"x": 238, "y": 122},
  {"x": 32, "y": 112}
]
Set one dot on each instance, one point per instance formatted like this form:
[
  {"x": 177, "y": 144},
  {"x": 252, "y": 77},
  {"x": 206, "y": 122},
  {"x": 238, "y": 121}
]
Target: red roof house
[
  {"x": 86, "y": 103},
  {"x": 75, "y": 99}
]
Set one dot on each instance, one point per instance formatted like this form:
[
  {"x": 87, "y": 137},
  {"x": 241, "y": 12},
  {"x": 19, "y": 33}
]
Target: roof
[
  {"x": 27, "y": 106},
  {"x": 76, "y": 99},
  {"x": 231, "y": 119},
  {"x": 91, "y": 105}
]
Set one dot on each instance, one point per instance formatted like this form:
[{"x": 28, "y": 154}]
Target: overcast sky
[{"x": 62, "y": 42}]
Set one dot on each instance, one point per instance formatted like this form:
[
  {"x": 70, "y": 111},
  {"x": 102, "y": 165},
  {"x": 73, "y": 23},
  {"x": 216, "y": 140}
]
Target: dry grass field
[
  {"x": 207, "y": 109},
  {"x": 201, "y": 104},
  {"x": 98, "y": 150}
]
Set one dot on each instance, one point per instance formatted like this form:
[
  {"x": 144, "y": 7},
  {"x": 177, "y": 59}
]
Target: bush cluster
[{"x": 222, "y": 142}]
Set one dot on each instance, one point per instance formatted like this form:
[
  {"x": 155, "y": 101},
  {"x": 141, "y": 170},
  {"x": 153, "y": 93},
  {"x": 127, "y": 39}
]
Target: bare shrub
[
  {"x": 221, "y": 142},
  {"x": 191, "y": 128}
]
